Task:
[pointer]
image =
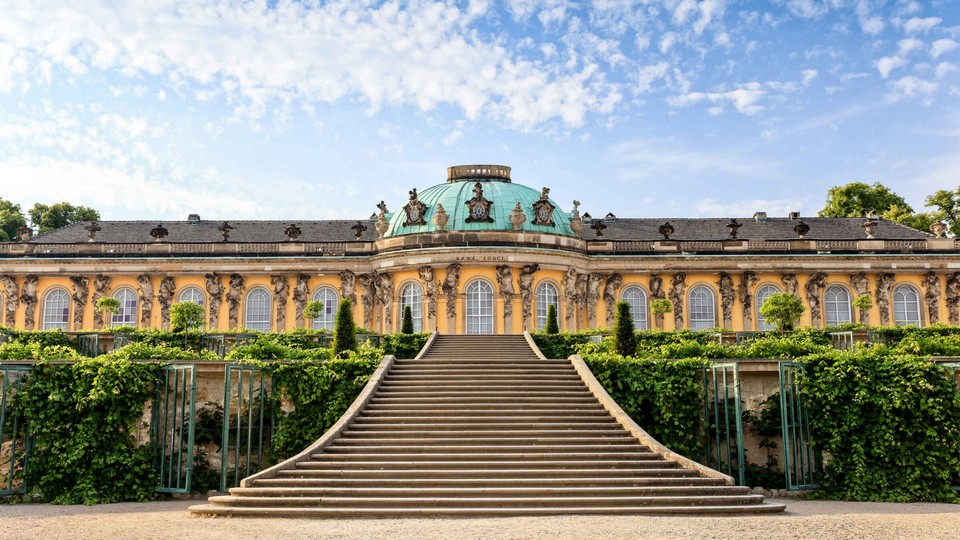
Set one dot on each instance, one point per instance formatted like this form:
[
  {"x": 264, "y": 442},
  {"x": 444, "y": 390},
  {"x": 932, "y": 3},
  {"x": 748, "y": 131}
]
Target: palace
[{"x": 480, "y": 253}]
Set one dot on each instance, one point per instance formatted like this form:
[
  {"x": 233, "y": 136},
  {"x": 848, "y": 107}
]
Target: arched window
[
  {"x": 257, "y": 312},
  {"x": 127, "y": 314},
  {"x": 836, "y": 304},
  {"x": 906, "y": 306},
  {"x": 331, "y": 300},
  {"x": 637, "y": 299},
  {"x": 546, "y": 296},
  {"x": 702, "y": 310},
  {"x": 479, "y": 308},
  {"x": 763, "y": 293},
  {"x": 56, "y": 310},
  {"x": 192, "y": 294},
  {"x": 412, "y": 295}
]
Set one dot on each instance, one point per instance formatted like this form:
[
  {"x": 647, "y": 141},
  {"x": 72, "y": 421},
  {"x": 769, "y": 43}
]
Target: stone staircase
[{"x": 481, "y": 426}]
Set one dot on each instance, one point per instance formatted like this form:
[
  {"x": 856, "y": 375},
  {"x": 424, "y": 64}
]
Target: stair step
[
  {"x": 538, "y": 442},
  {"x": 484, "y": 449},
  {"x": 359, "y": 425},
  {"x": 612, "y": 432},
  {"x": 485, "y": 502},
  {"x": 584, "y": 481},
  {"x": 490, "y": 491},
  {"x": 481, "y": 462},
  {"x": 439, "y": 511},
  {"x": 646, "y": 471}
]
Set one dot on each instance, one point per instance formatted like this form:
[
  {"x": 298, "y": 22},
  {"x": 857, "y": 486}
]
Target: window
[
  {"x": 331, "y": 300},
  {"x": 637, "y": 299},
  {"x": 703, "y": 311},
  {"x": 763, "y": 293},
  {"x": 479, "y": 308},
  {"x": 257, "y": 313},
  {"x": 412, "y": 295},
  {"x": 127, "y": 314},
  {"x": 836, "y": 303},
  {"x": 192, "y": 294},
  {"x": 56, "y": 310},
  {"x": 906, "y": 306},
  {"x": 546, "y": 296}
]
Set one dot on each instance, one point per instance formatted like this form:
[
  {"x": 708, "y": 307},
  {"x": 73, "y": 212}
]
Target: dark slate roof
[
  {"x": 134, "y": 232},
  {"x": 715, "y": 229}
]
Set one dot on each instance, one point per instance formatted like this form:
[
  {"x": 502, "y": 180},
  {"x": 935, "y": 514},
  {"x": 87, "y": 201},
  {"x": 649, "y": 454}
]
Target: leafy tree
[
  {"x": 947, "y": 208},
  {"x": 11, "y": 219},
  {"x": 863, "y": 302},
  {"x": 109, "y": 306},
  {"x": 407, "y": 326},
  {"x": 186, "y": 316},
  {"x": 344, "y": 330},
  {"x": 857, "y": 198},
  {"x": 47, "y": 218},
  {"x": 782, "y": 309},
  {"x": 661, "y": 306},
  {"x": 313, "y": 309},
  {"x": 552, "y": 326},
  {"x": 625, "y": 340}
]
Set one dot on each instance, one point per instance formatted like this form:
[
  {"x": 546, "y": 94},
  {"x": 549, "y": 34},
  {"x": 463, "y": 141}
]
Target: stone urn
[
  {"x": 440, "y": 218},
  {"x": 517, "y": 217}
]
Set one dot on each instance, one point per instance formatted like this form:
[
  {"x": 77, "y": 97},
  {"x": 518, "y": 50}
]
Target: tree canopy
[
  {"x": 49, "y": 217},
  {"x": 857, "y": 199},
  {"x": 11, "y": 219}
]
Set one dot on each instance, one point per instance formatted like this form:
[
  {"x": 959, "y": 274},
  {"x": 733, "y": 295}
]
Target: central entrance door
[{"x": 479, "y": 308}]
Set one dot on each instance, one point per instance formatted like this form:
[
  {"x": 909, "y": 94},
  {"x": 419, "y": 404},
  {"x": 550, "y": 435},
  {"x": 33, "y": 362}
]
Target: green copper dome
[{"x": 495, "y": 187}]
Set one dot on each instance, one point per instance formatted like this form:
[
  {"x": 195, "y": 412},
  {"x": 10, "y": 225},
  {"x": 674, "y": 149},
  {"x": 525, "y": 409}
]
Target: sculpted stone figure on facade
[
  {"x": 727, "y": 297},
  {"x": 747, "y": 282},
  {"x": 505, "y": 284},
  {"x": 593, "y": 296},
  {"x": 11, "y": 293},
  {"x": 167, "y": 288},
  {"x": 281, "y": 291},
  {"x": 214, "y": 288},
  {"x": 613, "y": 284},
  {"x": 526, "y": 290},
  {"x": 931, "y": 282},
  {"x": 861, "y": 286},
  {"x": 884, "y": 283},
  {"x": 81, "y": 290},
  {"x": 145, "y": 288},
  {"x": 384, "y": 285},
  {"x": 101, "y": 288},
  {"x": 234, "y": 295},
  {"x": 570, "y": 295},
  {"x": 368, "y": 297},
  {"x": 29, "y": 299},
  {"x": 953, "y": 297},
  {"x": 430, "y": 289},
  {"x": 348, "y": 285},
  {"x": 677, "y": 289},
  {"x": 451, "y": 282},
  {"x": 582, "y": 290},
  {"x": 814, "y": 288},
  {"x": 300, "y": 292},
  {"x": 790, "y": 283}
]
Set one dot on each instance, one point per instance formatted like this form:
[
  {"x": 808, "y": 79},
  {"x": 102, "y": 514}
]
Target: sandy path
[{"x": 803, "y": 519}]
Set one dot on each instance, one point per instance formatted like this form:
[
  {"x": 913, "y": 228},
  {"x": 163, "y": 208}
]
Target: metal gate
[
  {"x": 174, "y": 416},
  {"x": 801, "y": 461},
  {"x": 722, "y": 422},
  {"x": 14, "y": 435},
  {"x": 247, "y": 423}
]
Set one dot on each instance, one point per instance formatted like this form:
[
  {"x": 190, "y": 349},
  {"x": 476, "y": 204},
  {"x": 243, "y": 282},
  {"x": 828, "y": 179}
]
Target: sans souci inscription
[{"x": 481, "y": 258}]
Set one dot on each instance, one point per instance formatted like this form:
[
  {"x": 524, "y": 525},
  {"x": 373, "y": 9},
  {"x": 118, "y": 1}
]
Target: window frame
[
  {"x": 484, "y": 317},
  {"x": 55, "y": 325},
  {"x": 896, "y": 313},
  {"x": 260, "y": 325},
  {"x": 642, "y": 323},
  {"x": 690, "y": 311},
  {"x": 762, "y": 324},
  {"x": 827, "y": 303},
  {"x": 543, "y": 303},
  {"x": 329, "y": 318},
  {"x": 120, "y": 319}
]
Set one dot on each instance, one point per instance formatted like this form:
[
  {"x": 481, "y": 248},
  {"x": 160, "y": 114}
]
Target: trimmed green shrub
[
  {"x": 552, "y": 326},
  {"x": 782, "y": 309},
  {"x": 406, "y": 327},
  {"x": 17, "y": 350},
  {"x": 625, "y": 340},
  {"x": 344, "y": 331},
  {"x": 139, "y": 350},
  {"x": 404, "y": 345},
  {"x": 560, "y": 345}
]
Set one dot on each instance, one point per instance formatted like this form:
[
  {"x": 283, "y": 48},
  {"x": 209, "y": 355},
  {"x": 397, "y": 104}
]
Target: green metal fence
[
  {"x": 801, "y": 460},
  {"x": 722, "y": 431},
  {"x": 746, "y": 337},
  {"x": 215, "y": 343},
  {"x": 248, "y": 423},
  {"x": 14, "y": 435},
  {"x": 174, "y": 416},
  {"x": 120, "y": 340},
  {"x": 842, "y": 340},
  {"x": 88, "y": 345}
]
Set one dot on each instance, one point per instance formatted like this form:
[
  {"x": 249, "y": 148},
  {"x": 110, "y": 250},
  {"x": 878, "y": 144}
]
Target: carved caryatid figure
[
  {"x": 11, "y": 293},
  {"x": 814, "y": 288},
  {"x": 368, "y": 297},
  {"x": 677, "y": 289},
  {"x": 145, "y": 288},
  {"x": 727, "y": 297},
  {"x": 233, "y": 298},
  {"x": 281, "y": 292},
  {"x": 300, "y": 292},
  {"x": 884, "y": 283},
  {"x": 348, "y": 285},
  {"x": 29, "y": 299},
  {"x": 861, "y": 285},
  {"x": 430, "y": 290},
  {"x": 953, "y": 298},
  {"x": 610, "y": 288},
  {"x": 790, "y": 283},
  {"x": 384, "y": 283},
  {"x": 214, "y": 288},
  {"x": 101, "y": 286},
  {"x": 747, "y": 281},
  {"x": 581, "y": 297},
  {"x": 451, "y": 282},
  {"x": 931, "y": 282},
  {"x": 80, "y": 293},
  {"x": 505, "y": 284},
  {"x": 167, "y": 288},
  {"x": 570, "y": 295},
  {"x": 526, "y": 290},
  {"x": 593, "y": 296}
]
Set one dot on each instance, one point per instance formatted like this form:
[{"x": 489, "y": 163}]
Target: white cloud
[
  {"x": 744, "y": 99},
  {"x": 909, "y": 45},
  {"x": 946, "y": 67},
  {"x": 869, "y": 23},
  {"x": 652, "y": 158},
  {"x": 807, "y": 9},
  {"x": 649, "y": 75},
  {"x": 911, "y": 86},
  {"x": 917, "y": 24},
  {"x": 808, "y": 76},
  {"x": 889, "y": 63},
  {"x": 942, "y": 46}
]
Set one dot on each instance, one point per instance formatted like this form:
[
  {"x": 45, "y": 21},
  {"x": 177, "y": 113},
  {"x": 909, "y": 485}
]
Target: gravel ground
[{"x": 803, "y": 519}]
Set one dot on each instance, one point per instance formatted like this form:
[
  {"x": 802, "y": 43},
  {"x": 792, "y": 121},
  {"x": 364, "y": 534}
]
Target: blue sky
[{"x": 645, "y": 108}]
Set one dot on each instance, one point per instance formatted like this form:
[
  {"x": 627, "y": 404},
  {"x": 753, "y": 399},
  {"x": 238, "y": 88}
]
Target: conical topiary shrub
[
  {"x": 344, "y": 331},
  {"x": 626, "y": 340},
  {"x": 552, "y": 327},
  {"x": 407, "y": 326}
]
